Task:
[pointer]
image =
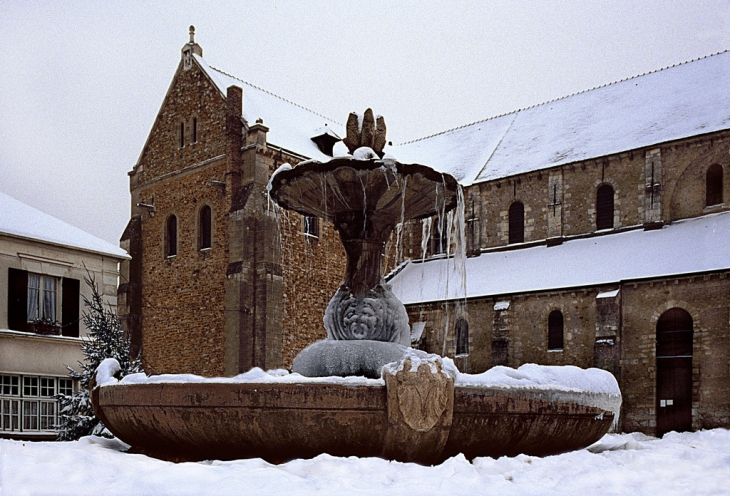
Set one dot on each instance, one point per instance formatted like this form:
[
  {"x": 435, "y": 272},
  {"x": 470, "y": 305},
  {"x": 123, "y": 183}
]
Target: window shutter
[
  {"x": 17, "y": 300},
  {"x": 70, "y": 307}
]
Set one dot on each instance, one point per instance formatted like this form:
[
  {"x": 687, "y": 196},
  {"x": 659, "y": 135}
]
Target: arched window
[
  {"x": 604, "y": 207},
  {"x": 713, "y": 189},
  {"x": 204, "y": 228},
  {"x": 674, "y": 334},
  {"x": 171, "y": 236},
  {"x": 516, "y": 223},
  {"x": 555, "y": 330},
  {"x": 462, "y": 337}
]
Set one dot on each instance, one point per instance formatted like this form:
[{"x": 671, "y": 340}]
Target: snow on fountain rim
[{"x": 567, "y": 378}]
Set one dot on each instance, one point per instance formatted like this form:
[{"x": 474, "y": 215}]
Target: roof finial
[{"x": 192, "y": 34}]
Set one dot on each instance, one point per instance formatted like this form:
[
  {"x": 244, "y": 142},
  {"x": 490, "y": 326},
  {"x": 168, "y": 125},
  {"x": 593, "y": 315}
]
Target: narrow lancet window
[
  {"x": 171, "y": 236},
  {"x": 555, "y": 330},
  {"x": 713, "y": 189},
  {"x": 462, "y": 337},
  {"x": 604, "y": 207},
  {"x": 205, "y": 228},
  {"x": 516, "y": 223}
]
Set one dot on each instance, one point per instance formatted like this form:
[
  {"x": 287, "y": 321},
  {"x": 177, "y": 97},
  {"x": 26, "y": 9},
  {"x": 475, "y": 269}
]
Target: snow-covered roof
[
  {"x": 291, "y": 126},
  {"x": 683, "y": 247},
  {"x": 673, "y": 103},
  {"x": 23, "y": 221}
]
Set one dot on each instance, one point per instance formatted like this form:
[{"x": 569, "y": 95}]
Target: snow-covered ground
[{"x": 696, "y": 463}]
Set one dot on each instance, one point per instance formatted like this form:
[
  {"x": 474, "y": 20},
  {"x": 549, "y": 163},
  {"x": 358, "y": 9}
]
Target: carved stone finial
[
  {"x": 192, "y": 34},
  {"x": 369, "y": 132}
]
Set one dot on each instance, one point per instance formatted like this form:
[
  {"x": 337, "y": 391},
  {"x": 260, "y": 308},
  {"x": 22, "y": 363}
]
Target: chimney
[{"x": 234, "y": 138}]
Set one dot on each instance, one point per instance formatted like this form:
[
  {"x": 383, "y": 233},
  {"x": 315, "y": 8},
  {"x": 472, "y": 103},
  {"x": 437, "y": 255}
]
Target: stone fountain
[
  {"x": 406, "y": 405},
  {"x": 364, "y": 195}
]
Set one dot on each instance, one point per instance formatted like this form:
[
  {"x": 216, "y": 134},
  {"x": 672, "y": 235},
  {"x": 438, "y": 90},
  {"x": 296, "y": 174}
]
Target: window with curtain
[{"x": 42, "y": 297}]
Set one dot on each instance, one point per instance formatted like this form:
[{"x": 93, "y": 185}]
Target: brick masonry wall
[
  {"x": 313, "y": 269},
  {"x": 183, "y": 299},
  {"x": 183, "y": 296},
  {"x": 190, "y": 95}
]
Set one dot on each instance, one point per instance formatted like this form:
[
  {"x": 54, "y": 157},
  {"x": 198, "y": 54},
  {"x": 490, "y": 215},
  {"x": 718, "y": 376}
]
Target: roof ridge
[
  {"x": 275, "y": 95},
  {"x": 563, "y": 97}
]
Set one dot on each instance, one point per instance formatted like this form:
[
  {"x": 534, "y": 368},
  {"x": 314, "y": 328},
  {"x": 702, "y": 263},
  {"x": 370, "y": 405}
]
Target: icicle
[
  {"x": 425, "y": 236},
  {"x": 323, "y": 184},
  {"x": 399, "y": 226},
  {"x": 460, "y": 238}
]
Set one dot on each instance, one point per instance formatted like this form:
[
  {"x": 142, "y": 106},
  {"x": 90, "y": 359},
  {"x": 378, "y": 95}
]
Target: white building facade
[{"x": 43, "y": 264}]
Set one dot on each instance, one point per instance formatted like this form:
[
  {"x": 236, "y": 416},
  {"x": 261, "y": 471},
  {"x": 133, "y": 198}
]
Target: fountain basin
[{"x": 280, "y": 422}]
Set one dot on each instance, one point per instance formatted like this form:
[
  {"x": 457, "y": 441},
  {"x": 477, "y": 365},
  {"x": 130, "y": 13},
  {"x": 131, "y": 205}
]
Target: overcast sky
[{"x": 82, "y": 82}]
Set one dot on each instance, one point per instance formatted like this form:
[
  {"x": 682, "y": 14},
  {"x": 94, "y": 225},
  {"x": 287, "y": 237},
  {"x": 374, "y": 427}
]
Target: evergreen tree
[{"x": 106, "y": 339}]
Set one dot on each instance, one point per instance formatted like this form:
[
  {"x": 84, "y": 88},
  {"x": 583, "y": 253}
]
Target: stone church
[{"x": 595, "y": 232}]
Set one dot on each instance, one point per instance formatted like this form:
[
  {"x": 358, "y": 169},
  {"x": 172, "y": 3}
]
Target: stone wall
[
  {"x": 561, "y": 202},
  {"x": 183, "y": 296},
  {"x": 257, "y": 296},
  {"x": 705, "y": 298},
  {"x": 313, "y": 269},
  {"x": 614, "y": 333},
  {"x": 685, "y": 165}
]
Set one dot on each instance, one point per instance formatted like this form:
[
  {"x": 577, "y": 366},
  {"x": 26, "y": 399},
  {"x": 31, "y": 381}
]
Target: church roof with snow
[
  {"x": 677, "y": 102},
  {"x": 291, "y": 126},
  {"x": 23, "y": 221},
  {"x": 684, "y": 247}
]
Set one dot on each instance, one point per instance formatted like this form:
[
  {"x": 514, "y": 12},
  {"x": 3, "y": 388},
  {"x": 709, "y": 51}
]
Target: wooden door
[{"x": 674, "y": 371}]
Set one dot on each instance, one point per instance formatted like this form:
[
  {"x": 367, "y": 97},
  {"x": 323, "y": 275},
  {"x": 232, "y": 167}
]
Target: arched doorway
[{"x": 674, "y": 332}]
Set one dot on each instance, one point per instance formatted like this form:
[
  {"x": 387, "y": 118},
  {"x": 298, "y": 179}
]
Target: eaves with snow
[
  {"x": 685, "y": 100},
  {"x": 291, "y": 126},
  {"x": 684, "y": 247},
  {"x": 25, "y": 222}
]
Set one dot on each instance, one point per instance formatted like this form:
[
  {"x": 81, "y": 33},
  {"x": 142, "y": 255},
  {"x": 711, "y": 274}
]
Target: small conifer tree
[{"x": 106, "y": 339}]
